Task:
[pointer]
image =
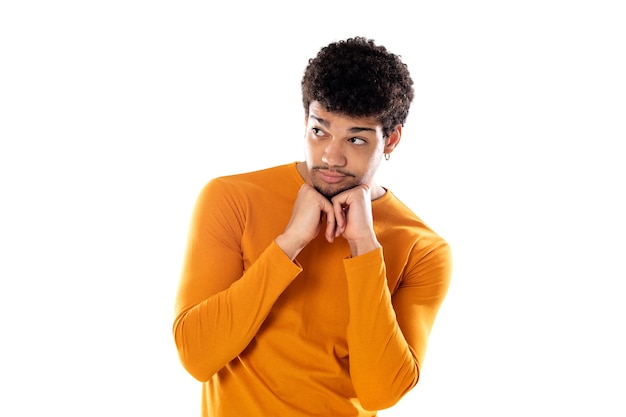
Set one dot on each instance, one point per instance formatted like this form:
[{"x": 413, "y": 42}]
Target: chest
[{"x": 315, "y": 305}]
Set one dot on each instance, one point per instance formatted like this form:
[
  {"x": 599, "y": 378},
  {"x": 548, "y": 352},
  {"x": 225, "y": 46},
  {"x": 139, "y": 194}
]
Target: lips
[{"x": 331, "y": 177}]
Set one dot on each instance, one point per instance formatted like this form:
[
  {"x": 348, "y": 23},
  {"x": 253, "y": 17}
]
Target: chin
[{"x": 329, "y": 193}]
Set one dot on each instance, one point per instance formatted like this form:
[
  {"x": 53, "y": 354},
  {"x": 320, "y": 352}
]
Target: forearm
[
  {"x": 382, "y": 365},
  {"x": 211, "y": 333}
]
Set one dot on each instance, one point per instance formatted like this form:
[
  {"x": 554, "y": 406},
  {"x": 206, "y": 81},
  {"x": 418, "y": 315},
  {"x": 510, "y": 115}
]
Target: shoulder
[
  {"x": 281, "y": 174},
  {"x": 413, "y": 251},
  {"x": 281, "y": 180},
  {"x": 253, "y": 177},
  {"x": 396, "y": 222},
  {"x": 391, "y": 213},
  {"x": 250, "y": 178}
]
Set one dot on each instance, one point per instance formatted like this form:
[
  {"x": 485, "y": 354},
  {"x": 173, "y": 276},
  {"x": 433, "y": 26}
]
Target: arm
[
  {"x": 387, "y": 336},
  {"x": 219, "y": 308}
]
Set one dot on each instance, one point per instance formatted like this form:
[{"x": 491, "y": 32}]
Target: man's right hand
[{"x": 310, "y": 210}]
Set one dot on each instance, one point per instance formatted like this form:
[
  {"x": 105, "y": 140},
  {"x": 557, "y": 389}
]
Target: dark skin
[{"x": 342, "y": 156}]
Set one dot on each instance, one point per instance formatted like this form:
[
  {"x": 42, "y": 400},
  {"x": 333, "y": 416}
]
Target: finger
[
  {"x": 331, "y": 225},
  {"x": 340, "y": 210}
]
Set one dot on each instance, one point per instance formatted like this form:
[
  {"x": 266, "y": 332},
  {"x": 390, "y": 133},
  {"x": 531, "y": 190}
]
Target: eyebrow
[{"x": 355, "y": 129}]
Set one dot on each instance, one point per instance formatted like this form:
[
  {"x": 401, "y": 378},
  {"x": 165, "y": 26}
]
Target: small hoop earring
[{"x": 387, "y": 156}]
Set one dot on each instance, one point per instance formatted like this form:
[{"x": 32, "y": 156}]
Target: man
[{"x": 308, "y": 289}]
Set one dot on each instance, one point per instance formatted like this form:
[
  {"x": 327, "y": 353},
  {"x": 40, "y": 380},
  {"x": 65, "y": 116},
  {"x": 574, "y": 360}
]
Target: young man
[{"x": 308, "y": 289}]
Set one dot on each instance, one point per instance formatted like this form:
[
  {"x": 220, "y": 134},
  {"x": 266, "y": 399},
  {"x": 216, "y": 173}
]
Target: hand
[
  {"x": 309, "y": 211},
  {"x": 353, "y": 215}
]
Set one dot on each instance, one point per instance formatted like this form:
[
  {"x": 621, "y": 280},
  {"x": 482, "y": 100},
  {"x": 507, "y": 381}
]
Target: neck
[{"x": 304, "y": 172}]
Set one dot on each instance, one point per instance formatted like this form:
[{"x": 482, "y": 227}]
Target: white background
[{"x": 114, "y": 114}]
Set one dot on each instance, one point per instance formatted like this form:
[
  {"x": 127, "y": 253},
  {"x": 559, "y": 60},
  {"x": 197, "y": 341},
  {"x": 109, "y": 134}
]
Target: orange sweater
[{"x": 325, "y": 335}]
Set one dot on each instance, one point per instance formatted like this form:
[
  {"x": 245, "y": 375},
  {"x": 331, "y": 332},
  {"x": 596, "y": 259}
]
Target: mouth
[{"x": 331, "y": 177}]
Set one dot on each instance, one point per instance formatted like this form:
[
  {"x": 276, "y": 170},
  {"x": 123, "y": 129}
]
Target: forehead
[{"x": 318, "y": 113}]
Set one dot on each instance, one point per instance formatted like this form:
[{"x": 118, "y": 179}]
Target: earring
[{"x": 387, "y": 156}]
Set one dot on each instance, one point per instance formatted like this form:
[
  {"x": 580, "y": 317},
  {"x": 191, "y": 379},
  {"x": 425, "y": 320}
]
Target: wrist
[
  {"x": 363, "y": 246},
  {"x": 291, "y": 247}
]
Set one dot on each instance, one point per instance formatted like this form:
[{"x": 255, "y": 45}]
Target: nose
[{"x": 333, "y": 154}]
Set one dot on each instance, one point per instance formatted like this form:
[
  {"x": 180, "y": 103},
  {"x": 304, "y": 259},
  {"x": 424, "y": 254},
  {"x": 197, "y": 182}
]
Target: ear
[{"x": 394, "y": 138}]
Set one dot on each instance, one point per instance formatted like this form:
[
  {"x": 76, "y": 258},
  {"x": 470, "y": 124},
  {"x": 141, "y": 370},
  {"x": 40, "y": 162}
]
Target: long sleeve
[
  {"x": 387, "y": 335},
  {"x": 323, "y": 335},
  {"x": 219, "y": 305}
]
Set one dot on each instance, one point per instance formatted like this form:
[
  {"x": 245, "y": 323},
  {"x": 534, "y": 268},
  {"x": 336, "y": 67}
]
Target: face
[{"x": 343, "y": 152}]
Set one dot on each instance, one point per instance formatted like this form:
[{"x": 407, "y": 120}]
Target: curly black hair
[{"x": 358, "y": 78}]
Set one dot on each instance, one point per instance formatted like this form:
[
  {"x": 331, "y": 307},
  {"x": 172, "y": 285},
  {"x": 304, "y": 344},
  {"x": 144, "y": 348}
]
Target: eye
[
  {"x": 317, "y": 132},
  {"x": 357, "y": 141}
]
